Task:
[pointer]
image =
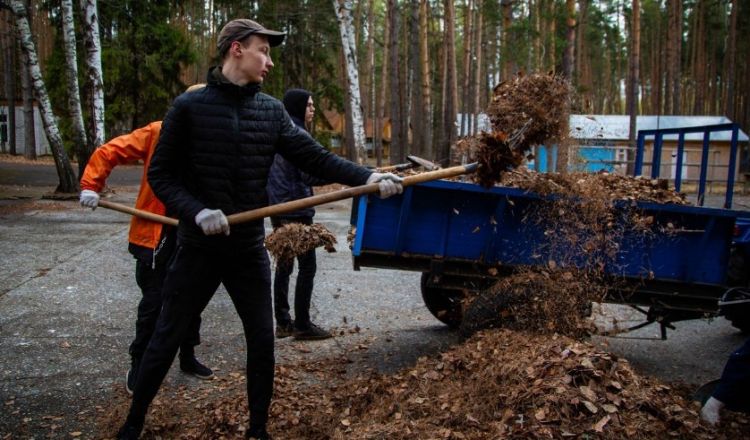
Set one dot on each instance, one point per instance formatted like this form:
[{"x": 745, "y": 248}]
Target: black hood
[{"x": 295, "y": 102}]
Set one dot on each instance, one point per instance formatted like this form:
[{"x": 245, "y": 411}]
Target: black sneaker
[
  {"x": 311, "y": 332},
  {"x": 191, "y": 365},
  {"x": 132, "y": 375},
  {"x": 284, "y": 330},
  {"x": 130, "y": 430},
  {"x": 257, "y": 434}
]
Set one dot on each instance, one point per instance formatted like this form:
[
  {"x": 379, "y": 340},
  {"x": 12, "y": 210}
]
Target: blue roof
[{"x": 617, "y": 127}]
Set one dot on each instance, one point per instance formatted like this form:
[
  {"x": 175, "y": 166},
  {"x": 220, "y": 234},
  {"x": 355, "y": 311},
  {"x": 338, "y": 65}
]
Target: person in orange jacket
[{"x": 151, "y": 244}]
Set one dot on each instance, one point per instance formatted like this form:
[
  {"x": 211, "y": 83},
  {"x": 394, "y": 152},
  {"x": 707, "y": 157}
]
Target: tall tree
[
  {"x": 9, "y": 73},
  {"x": 67, "y": 180},
  {"x": 635, "y": 46},
  {"x": 74, "y": 94},
  {"x": 343, "y": 10},
  {"x": 731, "y": 63},
  {"x": 568, "y": 62},
  {"x": 425, "y": 136},
  {"x": 397, "y": 142},
  {"x": 417, "y": 117},
  {"x": 451, "y": 84},
  {"x": 385, "y": 64},
  {"x": 94, "y": 77}
]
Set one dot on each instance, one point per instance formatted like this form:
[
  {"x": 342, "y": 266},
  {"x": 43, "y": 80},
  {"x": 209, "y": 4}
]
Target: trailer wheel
[
  {"x": 490, "y": 309},
  {"x": 445, "y": 304},
  {"x": 738, "y": 274}
]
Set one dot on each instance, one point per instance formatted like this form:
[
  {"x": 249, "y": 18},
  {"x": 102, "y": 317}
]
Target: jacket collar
[{"x": 217, "y": 79}]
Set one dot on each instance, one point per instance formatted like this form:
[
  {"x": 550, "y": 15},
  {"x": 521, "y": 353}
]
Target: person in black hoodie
[
  {"x": 286, "y": 183},
  {"x": 216, "y": 147}
]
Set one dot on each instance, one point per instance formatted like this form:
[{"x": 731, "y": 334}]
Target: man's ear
[{"x": 236, "y": 48}]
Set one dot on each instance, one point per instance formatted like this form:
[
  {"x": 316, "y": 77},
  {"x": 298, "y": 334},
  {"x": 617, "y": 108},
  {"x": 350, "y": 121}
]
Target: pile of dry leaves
[
  {"x": 525, "y": 111},
  {"x": 499, "y": 384},
  {"x": 602, "y": 185},
  {"x": 293, "y": 239}
]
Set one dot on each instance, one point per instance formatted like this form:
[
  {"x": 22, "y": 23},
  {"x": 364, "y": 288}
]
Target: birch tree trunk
[
  {"x": 68, "y": 183},
  {"x": 74, "y": 94},
  {"x": 94, "y": 77},
  {"x": 343, "y": 10}
]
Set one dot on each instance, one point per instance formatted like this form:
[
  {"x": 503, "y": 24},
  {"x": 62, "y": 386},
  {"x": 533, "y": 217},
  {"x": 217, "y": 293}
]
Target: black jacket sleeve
[
  {"x": 296, "y": 146},
  {"x": 168, "y": 165}
]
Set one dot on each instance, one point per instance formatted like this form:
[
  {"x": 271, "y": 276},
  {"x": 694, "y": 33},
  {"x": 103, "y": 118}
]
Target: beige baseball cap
[{"x": 241, "y": 28}]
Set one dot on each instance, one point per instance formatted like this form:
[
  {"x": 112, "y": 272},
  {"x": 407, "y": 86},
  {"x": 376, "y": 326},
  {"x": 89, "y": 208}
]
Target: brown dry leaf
[{"x": 599, "y": 426}]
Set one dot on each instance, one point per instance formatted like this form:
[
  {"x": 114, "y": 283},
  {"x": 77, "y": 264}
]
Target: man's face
[
  {"x": 254, "y": 58},
  {"x": 309, "y": 111}
]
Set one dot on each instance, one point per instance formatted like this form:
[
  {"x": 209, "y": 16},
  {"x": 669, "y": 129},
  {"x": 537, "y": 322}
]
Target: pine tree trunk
[
  {"x": 476, "y": 86},
  {"x": 415, "y": 66},
  {"x": 451, "y": 85},
  {"x": 74, "y": 95},
  {"x": 731, "y": 57},
  {"x": 343, "y": 10},
  {"x": 383, "y": 89},
  {"x": 426, "y": 149},
  {"x": 635, "y": 44},
  {"x": 677, "y": 74},
  {"x": 397, "y": 143},
  {"x": 506, "y": 8},
  {"x": 68, "y": 183},
  {"x": 10, "y": 83},
  {"x": 94, "y": 78},
  {"x": 370, "y": 68},
  {"x": 570, "y": 39},
  {"x": 467, "y": 64}
]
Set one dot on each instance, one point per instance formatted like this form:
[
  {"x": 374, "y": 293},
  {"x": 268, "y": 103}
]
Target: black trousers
[
  {"x": 151, "y": 280},
  {"x": 734, "y": 388},
  {"x": 304, "y": 287},
  {"x": 192, "y": 278}
]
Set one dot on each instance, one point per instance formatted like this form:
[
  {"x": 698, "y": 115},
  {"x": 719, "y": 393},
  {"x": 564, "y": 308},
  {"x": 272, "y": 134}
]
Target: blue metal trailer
[{"x": 463, "y": 237}]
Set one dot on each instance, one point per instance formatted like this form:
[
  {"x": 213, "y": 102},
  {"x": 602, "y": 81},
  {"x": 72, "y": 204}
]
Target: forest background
[{"x": 417, "y": 64}]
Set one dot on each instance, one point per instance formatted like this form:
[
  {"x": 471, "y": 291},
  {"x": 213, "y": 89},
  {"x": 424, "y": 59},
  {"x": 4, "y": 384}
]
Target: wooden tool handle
[
  {"x": 138, "y": 212},
  {"x": 309, "y": 202}
]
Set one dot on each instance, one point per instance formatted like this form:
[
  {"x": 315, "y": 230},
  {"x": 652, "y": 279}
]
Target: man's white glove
[
  {"x": 212, "y": 221},
  {"x": 89, "y": 199},
  {"x": 388, "y": 183}
]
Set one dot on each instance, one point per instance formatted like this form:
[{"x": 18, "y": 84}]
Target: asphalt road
[{"x": 68, "y": 299}]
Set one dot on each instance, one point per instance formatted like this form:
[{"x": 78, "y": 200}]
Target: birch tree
[
  {"x": 343, "y": 10},
  {"x": 74, "y": 94},
  {"x": 67, "y": 180},
  {"x": 94, "y": 78}
]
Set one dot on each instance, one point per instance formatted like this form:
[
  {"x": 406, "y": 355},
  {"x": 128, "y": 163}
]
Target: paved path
[{"x": 68, "y": 299}]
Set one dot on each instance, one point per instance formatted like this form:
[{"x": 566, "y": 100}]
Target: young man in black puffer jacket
[
  {"x": 212, "y": 159},
  {"x": 286, "y": 183}
]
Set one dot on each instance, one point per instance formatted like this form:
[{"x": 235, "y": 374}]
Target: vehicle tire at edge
[{"x": 445, "y": 304}]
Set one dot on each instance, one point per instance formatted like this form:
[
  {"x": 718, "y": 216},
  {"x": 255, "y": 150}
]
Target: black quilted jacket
[{"x": 215, "y": 150}]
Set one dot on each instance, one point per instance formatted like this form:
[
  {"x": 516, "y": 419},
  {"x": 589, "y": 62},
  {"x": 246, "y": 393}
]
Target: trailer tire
[
  {"x": 490, "y": 309},
  {"x": 445, "y": 304},
  {"x": 738, "y": 274}
]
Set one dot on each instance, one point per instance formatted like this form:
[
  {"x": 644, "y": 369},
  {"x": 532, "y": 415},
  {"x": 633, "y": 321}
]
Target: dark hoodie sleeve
[
  {"x": 166, "y": 169},
  {"x": 296, "y": 146}
]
